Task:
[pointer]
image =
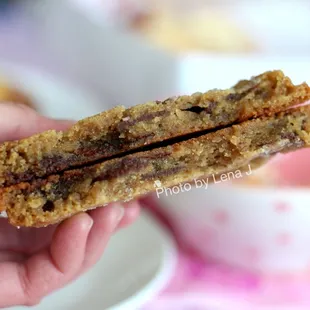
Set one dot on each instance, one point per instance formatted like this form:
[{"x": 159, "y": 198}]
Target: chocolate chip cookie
[
  {"x": 121, "y": 130},
  {"x": 122, "y": 154}
]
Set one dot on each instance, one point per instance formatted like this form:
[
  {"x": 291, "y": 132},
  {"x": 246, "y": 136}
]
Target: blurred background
[
  {"x": 234, "y": 246},
  {"x": 157, "y": 45}
]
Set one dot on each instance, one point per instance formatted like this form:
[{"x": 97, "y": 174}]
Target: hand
[{"x": 35, "y": 262}]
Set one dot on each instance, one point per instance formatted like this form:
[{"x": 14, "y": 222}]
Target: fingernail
[
  {"x": 90, "y": 223},
  {"x": 118, "y": 212}
]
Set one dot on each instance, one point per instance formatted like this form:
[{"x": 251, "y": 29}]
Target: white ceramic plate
[
  {"x": 140, "y": 259},
  {"x": 137, "y": 264}
]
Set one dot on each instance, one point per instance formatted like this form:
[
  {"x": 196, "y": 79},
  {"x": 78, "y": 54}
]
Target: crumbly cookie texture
[
  {"x": 49, "y": 200},
  {"x": 121, "y": 130}
]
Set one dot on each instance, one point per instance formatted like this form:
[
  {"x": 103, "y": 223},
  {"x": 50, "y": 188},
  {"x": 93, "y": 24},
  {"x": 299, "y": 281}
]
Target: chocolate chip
[
  {"x": 304, "y": 125},
  {"x": 157, "y": 155},
  {"x": 146, "y": 138},
  {"x": 265, "y": 94},
  {"x": 54, "y": 163},
  {"x": 15, "y": 178},
  {"x": 235, "y": 97},
  {"x": 49, "y": 206},
  {"x": 238, "y": 96},
  {"x": 289, "y": 135},
  {"x": 124, "y": 125},
  {"x": 124, "y": 166},
  {"x": 101, "y": 148},
  {"x": 211, "y": 107},
  {"x": 61, "y": 189},
  {"x": 150, "y": 116}
]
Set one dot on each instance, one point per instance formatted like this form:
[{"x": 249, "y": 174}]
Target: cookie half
[
  {"x": 48, "y": 200},
  {"x": 119, "y": 131}
]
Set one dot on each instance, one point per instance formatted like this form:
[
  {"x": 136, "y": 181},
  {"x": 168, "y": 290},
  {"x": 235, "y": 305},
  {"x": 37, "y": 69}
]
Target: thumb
[{"x": 18, "y": 121}]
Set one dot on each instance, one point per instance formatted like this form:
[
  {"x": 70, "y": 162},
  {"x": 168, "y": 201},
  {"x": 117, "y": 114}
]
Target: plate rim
[{"x": 165, "y": 273}]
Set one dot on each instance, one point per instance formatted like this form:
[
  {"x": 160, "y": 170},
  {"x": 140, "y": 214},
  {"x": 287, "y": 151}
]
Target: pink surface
[
  {"x": 198, "y": 284},
  {"x": 204, "y": 284},
  {"x": 294, "y": 169}
]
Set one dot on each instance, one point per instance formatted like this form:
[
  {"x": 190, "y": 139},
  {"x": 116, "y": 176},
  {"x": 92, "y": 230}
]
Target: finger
[
  {"x": 12, "y": 256},
  {"x": 106, "y": 220},
  {"x": 18, "y": 121},
  {"x": 8, "y": 235},
  {"x": 53, "y": 268},
  {"x": 149, "y": 201},
  {"x": 32, "y": 240},
  {"x": 27, "y": 240},
  {"x": 132, "y": 211}
]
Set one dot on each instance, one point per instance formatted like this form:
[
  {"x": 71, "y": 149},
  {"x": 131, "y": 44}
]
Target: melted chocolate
[
  {"x": 103, "y": 147},
  {"x": 265, "y": 94},
  {"x": 238, "y": 96},
  {"x": 290, "y": 136},
  {"x": 122, "y": 167},
  {"x": 211, "y": 107},
  {"x": 124, "y": 125},
  {"x": 56, "y": 162}
]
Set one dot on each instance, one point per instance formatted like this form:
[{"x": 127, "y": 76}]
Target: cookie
[
  {"x": 193, "y": 30},
  {"x": 121, "y": 131},
  {"x": 48, "y": 200}
]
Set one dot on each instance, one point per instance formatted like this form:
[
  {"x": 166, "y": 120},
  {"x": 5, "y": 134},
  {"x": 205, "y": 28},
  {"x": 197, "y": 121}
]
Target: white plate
[
  {"x": 140, "y": 259},
  {"x": 137, "y": 264}
]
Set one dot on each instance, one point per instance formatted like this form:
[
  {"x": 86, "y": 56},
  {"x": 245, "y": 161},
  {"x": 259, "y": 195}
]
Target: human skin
[{"x": 36, "y": 262}]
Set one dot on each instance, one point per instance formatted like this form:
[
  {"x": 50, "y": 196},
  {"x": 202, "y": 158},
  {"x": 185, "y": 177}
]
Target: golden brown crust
[
  {"x": 119, "y": 130},
  {"x": 49, "y": 200}
]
